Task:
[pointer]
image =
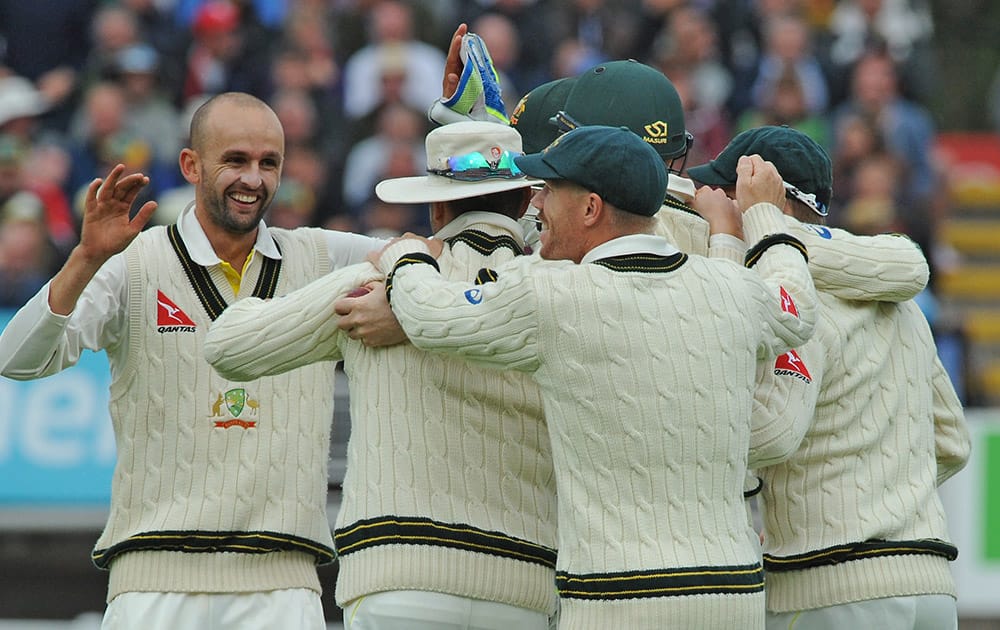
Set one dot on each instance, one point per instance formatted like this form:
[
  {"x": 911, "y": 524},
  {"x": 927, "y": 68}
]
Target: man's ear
[
  {"x": 189, "y": 164},
  {"x": 595, "y": 210}
]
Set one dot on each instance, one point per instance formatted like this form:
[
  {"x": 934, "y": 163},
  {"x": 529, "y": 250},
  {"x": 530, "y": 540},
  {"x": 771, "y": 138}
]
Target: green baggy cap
[
  {"x": 613, "y": 162},
  {"x": 799, "y": 159}
]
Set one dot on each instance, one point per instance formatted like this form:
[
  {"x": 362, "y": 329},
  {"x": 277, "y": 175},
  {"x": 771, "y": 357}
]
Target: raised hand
[
  {"x": 453, "y": 65},
  {"x": 107, "y": 227},
  {"x": 758, "y": 181},
  {"x": 721, "y": 212}
]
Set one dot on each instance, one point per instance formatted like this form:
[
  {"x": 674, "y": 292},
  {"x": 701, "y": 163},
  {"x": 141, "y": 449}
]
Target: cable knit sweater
[
  {"x": 854, "y": 514},
  {"x": 646, "y": 359},
  {"x": 449, "y": 483}
]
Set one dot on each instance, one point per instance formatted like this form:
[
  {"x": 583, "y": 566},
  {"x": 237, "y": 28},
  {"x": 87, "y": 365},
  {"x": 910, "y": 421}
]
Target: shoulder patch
[
  {"x": 787, "y": 303},
  {"x": 791, "y": 364}
]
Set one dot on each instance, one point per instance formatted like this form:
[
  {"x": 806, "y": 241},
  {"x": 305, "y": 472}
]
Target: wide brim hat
[
  {"x": 489, "y": 139},
  {"x": 20, "y": 99}
]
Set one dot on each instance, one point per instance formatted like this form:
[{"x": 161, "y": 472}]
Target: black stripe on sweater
[
  {"x": 407, "y": 259},
  {"x": 194, "y": 541},
  {"x": 860, "y": 551},
  {"x": 484, "y": 243},
  {"x": 646, "y": 263},
  {"x": 755, "y": 252},
  {"x": 661, "y": 582},
  {"x": 208, "y": 294},
  {"x": 405, "y": 530}
]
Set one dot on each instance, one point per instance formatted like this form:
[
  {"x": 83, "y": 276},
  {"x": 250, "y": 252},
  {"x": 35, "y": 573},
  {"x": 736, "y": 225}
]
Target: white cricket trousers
[
  {"x": 424, "y": 610},
  {"x": 298, "y": 608},
  {"x": 918, "y": 612}
]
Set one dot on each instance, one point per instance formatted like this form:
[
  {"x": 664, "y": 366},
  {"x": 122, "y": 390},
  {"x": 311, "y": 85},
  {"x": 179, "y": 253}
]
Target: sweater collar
[
  {"x": 631, "y": 244},
  {"x": 481, "y": 220}
]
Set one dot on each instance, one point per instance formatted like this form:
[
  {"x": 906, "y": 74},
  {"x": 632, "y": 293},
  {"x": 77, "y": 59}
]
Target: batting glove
[{"x": 478, "y": 96}]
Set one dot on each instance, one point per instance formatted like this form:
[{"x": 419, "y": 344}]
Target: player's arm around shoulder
[
  {"x": 490, "y": 321},
  {"x": 254, "y": 337},
  {"x": 785, "y": 396},
  {"x": 882, "y": 267},
  {"x": 779, "y": 259}
]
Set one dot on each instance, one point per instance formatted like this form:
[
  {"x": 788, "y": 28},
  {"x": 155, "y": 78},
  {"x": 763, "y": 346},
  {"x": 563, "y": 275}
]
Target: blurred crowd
[{"x": 86, "y": 84}]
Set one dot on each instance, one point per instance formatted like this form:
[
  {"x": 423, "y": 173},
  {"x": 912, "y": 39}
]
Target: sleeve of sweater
[
  {"x": 790, "y": 304},
  {"x": 884, "y": 267},
  {"x": 784, "y": 403},
  {"x": 254, "y": 337},
  {"x": 951, "y": 435},
  {"x": 493, "y": 324}
]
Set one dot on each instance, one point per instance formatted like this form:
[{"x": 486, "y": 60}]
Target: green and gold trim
[
  {"x": 860, "y": 551},
  {"x": 645, "y": 263},
  {"x": 208, "y": 294},
  {"x": 400, "y": 530},
  {"x": 755, "y": 252},
  {"x": 193, "y": 541},
  {"x": 408, "y": 259},
  {"x": 484, "y": 243},
  {"x": 662, "y": 582}
]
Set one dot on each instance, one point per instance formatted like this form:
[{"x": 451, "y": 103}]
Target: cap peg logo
[{"x": 657, "y": 129}]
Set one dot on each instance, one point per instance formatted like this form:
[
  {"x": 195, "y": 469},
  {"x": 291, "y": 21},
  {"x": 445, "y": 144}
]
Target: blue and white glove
[{"x": 478, "y": 96}]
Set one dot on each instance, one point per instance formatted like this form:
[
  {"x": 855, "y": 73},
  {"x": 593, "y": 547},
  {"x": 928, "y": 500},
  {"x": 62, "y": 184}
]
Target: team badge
[
  {"x": 787, "y": 303},
  {"x": 474, "y": 296},
  {"x": 820, "y": 230},
  {"x": 169, "y": 317},
  {"x": 231, "y": 407},
  {"x": 791, "y": 364}
]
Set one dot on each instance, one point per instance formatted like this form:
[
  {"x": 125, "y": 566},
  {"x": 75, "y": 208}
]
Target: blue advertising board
[{"x": 57, "y": 446}]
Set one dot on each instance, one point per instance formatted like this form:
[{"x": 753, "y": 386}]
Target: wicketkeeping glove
[{"x": 478, "y": 96}]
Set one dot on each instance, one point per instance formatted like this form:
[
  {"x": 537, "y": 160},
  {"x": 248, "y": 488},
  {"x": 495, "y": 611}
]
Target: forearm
[
  {"x": 885, "y": 267},
  {"x": 30, "y": 342},
  {"x": 69, "y": 283},
  {"x": 784, "y": 403},
  {"x": 254, "y": 338},
  {"x": 780, "y": 260}
]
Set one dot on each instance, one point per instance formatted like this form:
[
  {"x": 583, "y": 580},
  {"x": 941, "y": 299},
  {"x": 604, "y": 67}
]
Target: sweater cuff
[
  {"x": 762, "y": 219},
  {"x": 395, "y": 251}
]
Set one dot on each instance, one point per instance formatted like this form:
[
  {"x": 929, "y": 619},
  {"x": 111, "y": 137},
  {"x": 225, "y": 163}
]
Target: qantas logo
[
  {"x": 791, "y": 364},
  {"x": 170, "y": 318},
  {"x": 787, "y": 304}
]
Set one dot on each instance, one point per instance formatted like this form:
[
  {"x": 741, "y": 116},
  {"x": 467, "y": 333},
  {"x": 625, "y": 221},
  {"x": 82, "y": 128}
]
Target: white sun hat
[
  {"x": 464, "y": 159},
  {"x": 19, "y": 99}
]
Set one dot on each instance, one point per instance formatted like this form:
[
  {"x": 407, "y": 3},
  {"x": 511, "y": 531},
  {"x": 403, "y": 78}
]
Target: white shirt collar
[
  {"x": 201, "y": 250},
  {"x": 467, "y": 220},
  {"x": 631, "y": 244}
]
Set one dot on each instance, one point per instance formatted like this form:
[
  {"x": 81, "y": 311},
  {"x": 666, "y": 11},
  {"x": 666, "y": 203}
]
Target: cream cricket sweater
[
  {"x": 854, "y": 513},
  {"x": 449, "y": 483},
  {"x": 220, "y": 486},
  {"x": 646, "y": 359}
]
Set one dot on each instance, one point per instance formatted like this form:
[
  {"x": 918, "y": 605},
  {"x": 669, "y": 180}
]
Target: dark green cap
[
  {"x": 532, "y": 114},
  {"x": 610, "y": 161},
  {"x": 629, "y": 94},
  {"x": 799, "y": 159}
]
